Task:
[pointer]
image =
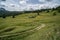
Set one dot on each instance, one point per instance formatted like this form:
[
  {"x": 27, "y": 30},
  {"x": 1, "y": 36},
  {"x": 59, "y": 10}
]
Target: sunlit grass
[{"x": 25, "y": 22}]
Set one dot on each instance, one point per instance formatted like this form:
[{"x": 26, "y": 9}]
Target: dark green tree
[
  {"x": 54, "y": 13},
  {"x": 38, "y": 12}
]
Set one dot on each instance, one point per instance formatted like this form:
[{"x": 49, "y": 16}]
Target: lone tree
[
  {"x": 58, "y": 9},
  {"x": 38, "y": 12},
  {"x": 13, "y": 16},
  {"x": 54, "y": 13},
  {"x": 47, "y": 11},
  {"x": 4, "y": 16}
]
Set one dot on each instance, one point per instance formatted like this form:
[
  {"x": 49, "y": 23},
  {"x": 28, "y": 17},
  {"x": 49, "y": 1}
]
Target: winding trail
[{"x": 22, "y": 34}]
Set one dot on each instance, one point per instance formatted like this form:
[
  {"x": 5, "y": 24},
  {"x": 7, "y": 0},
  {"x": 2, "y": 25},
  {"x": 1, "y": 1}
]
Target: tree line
[{"x": 4, "y": 13}]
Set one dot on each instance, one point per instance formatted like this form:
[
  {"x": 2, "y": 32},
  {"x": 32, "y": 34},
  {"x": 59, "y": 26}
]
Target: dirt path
[
  {"x": 24, "y": 33},
  {"x": 42, "y": 25}
]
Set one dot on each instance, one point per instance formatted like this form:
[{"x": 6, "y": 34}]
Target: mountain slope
[{"x": 23, "y": 23}]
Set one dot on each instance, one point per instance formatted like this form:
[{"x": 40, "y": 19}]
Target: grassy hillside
[{"x": 25, "y": 22}]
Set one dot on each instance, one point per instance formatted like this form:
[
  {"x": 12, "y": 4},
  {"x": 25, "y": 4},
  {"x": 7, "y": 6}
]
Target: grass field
[{"x": 25, "y": 22}]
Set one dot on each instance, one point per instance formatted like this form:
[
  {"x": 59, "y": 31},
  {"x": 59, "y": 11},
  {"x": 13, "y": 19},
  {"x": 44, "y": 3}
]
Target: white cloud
[
  {"x": 23, "y": 5},
  {"x": 42, "y": 0},
  {"x": 22, "y": 2}
]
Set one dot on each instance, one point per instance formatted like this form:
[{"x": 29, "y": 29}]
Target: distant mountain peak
[
  {"x": 2, "y": 9},
  {"x": 3, "y": 0}
]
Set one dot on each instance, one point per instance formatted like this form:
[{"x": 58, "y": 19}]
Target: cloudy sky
[{"x": 22, "y": 5}]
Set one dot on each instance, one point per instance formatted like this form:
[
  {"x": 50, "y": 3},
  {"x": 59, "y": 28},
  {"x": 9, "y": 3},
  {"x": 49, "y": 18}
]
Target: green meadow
[{"x": 18, "y": 28}]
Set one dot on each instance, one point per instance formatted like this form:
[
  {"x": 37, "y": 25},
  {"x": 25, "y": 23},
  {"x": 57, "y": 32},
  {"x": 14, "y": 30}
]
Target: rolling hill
[{"x": 30, "y": 26}]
